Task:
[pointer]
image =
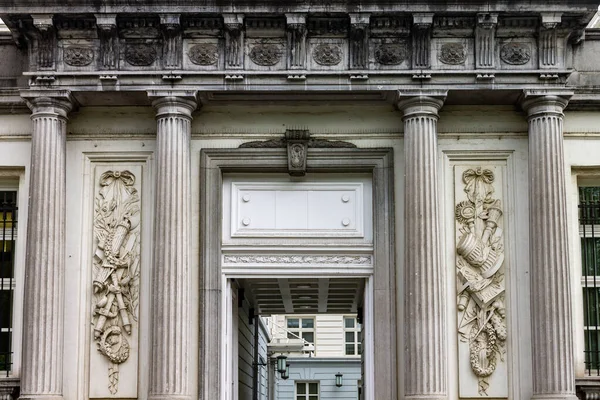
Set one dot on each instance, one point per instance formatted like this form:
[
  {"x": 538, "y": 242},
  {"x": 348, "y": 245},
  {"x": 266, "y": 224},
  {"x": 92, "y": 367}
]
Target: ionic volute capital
[
  {"x": 54, "y": 104},
  {"x": 545, "y": 103},
  {"x": 180, "y": 104},
  {"x": 421, "y": 103}
]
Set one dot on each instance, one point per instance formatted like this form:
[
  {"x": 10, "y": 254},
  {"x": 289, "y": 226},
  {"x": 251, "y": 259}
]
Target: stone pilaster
[
  {"x": 170, "y": 355},
  {"x": 551, "y": 322},
  {"x": 42, "y": 365},
  {"x": 424, "y": 288}
]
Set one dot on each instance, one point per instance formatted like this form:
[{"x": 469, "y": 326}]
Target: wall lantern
[
  {"x": 281, "y": 363},
  {"x": 286, "y": 374},
  {"x": 338, "y": 379}
]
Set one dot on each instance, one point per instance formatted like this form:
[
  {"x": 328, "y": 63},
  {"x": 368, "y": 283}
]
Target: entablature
[{"x": 224, "y": 51}]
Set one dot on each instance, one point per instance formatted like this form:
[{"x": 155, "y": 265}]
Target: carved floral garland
[
  {"x": 481, "y": 288},
  {"x": 116, "y": 268}
]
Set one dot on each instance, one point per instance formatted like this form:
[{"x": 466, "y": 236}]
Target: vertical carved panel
[
  {"x": 296, "y": 37},
  {"x": 115, "y": 283},
  {"x": 359, "y": 41},
  {"x": 548, "y": 46},
  {"x": 482, "y": 330},
  {"x": 109, "y": 41},
  {"x": 421, "y": 33},
  {"x": 234, "y": 41},
  {"x": 45, "y": 42},
  {"x": 485, "y": 40},
  {"x": 172, "y": 41}
]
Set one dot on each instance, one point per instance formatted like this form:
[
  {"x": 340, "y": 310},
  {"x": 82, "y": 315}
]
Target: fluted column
[
  {"x": 42, "y": 365},
  {"x": 170, "y": 357},
  {"x": 551, "y": 322},
  {"x": 424, "y": 287}
]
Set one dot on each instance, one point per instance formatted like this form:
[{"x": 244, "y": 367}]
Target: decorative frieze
[
  {"x": 422, "y": 40},
  {"x": 116, "y": 270},
  {"x": 172, "y": 41},
  {"x": 480, "y": 281},
  {"x": 250, "y": 259},
  {"x": 485, "y": 41},
  {"x": 234, "y": 41},
  {"x": 452, "y": 53}
]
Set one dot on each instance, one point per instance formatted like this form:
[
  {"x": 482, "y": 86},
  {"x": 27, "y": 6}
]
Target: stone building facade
[{"x": 417, "y": 164}]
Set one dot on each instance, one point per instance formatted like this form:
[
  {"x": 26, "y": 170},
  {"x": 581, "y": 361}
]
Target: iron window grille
[
  {"x": 589, "y": 232},
  {"x": 8, "y": 237}
]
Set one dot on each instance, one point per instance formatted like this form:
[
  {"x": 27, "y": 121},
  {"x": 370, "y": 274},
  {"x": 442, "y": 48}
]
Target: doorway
[{"x": 265, "y": 230}]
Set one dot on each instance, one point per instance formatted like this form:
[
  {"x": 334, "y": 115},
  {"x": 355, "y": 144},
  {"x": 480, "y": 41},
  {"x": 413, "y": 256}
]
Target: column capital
[
  {"x": 54, "y": 103},
  {"x": 180, "y": 103},
  {"x": 545, "y": 102},
  {"x": 421, "y": 102}
]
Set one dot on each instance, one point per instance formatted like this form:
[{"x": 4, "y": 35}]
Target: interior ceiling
[{"x": 304, "y": 295}]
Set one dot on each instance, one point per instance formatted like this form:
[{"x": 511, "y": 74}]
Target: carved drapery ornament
[
  {"x": 172, "y": 41},
  {"x": 359, "y": 45},
  {"x": 116, "y": 268},
  {"x": 297, "y": 45},
  {"x": 46, "y": 43},
  {"x": 480, "y": 277},
  {"x": 233, "y": 45},
  {"x": 422, "y": 43}
]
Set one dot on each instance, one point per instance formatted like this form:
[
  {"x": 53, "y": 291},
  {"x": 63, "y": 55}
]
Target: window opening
[
  {"x": 301, "y": 327},
  {"x": 8, "y": 236},
  {"x": 589, "y": 230},
  {"x": 352, "y": 337},
  {"x": 307, "y": 390}
]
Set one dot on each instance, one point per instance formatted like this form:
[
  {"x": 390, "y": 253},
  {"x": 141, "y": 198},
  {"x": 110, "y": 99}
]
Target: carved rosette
[
  {"x": 390, "y": 53},
  {"x": 480, "y": 276},
  {"x": 204, "y": 54},
  {"x": 515, "y": 53},
  {"x": 116, "y": 268},
  {"x": 327, "y": 54},
  {"x": 452, "y": 54},
  {"x": 140, "y": 55},
  {"x": 265, "y": 54},
  {"x": 78, "y": 56}
]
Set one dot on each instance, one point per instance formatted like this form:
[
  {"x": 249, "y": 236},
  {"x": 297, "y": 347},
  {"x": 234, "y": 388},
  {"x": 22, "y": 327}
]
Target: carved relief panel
[
  {"x": 517, "y": 47},
  {"x": 480, "y": 281},
  {"x": 389, "y": 45},
  {"x": 202, "y": 43},
  {"x": 328, "y": 43},
  {"x": 452, "y": 43},
  {"x": 77, "y": 44},
  {"x": 265, "y": 46},
  {"x": 141, "y": 43},
  {"x": 115, "y": 284}
]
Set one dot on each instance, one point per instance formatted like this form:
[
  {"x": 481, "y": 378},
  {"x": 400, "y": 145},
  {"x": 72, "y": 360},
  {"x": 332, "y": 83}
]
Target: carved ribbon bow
[
  {"x": 479, "y": 184},
  {"x": 110, "y": 176}
]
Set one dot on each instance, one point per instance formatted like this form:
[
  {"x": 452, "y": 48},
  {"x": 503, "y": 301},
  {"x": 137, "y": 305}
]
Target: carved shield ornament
[
  {"x": 140, "y": 55},
  {"x": 78, "y": 56},
  {"x": 204, "y": 54},
  {"x": 452, "y": 54},
  {"x": 390, "y": 53},
  {"x": 265, "y": 54},
  {"x": 327, "y": 54},
  {"x": 515, "y": 53}
]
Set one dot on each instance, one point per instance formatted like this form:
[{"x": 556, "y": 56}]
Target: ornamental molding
[
  {"x": 204, "y": 54},
  {"x": 327, "y": 54},
  {"x": 140, "y": 55},
  {"x": 515, "y": 53},
  {"x": 78, "y": 56},
  {"x": 116, "y": 269},
  {"x": 480, "y": 275},
  {"x": 298, "y": 259},
  {"x": 453, "y": 53},
  {"x": 266, "y": 54}
]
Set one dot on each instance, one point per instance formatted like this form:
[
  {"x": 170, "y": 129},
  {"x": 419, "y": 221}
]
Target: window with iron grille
[
  {"x": 8, "y": 237},
  {"x": 589, "y": 232}
]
